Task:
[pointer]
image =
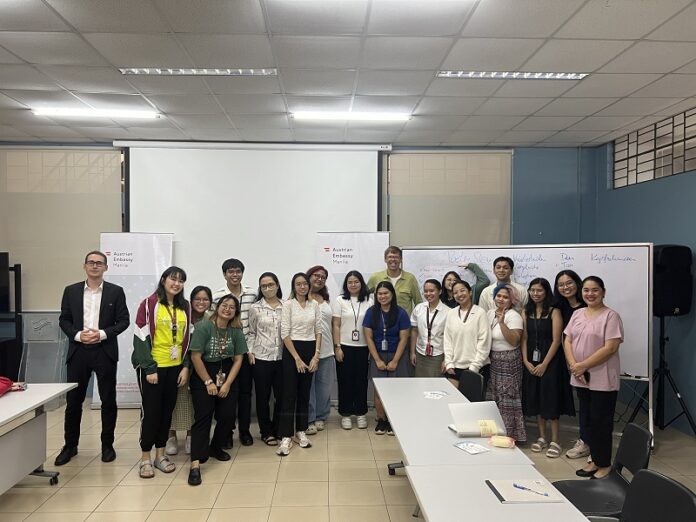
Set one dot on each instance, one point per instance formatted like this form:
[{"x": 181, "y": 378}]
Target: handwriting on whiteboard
[{"x": 603, "y": 258}]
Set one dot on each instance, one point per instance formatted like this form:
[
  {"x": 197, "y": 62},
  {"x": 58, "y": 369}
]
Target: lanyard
[
  {"x": 459, "y": 313},
  {"x": 430, "y": 323},
  {"x": 356, "y": 315},
  {"x": 221, "y": 346},
  {"x": 175, "y": 326}
]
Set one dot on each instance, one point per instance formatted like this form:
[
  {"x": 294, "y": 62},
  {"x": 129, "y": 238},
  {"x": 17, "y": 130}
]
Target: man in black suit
[{"x": 92, "y": 314}]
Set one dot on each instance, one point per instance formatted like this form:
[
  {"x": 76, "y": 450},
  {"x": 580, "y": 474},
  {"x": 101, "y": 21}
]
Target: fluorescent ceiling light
[
  {"x": 95, "y": 113},
  {"x": 351, "y": 116},
  {"x": 158, "y": 71},
  {"x": 514, "y": 75}
]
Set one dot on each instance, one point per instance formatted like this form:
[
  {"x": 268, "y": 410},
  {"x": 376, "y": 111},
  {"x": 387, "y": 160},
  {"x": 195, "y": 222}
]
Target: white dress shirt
[{"x": 91, "y": 305}]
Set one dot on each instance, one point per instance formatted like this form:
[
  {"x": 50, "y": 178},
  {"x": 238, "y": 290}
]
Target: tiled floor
[{"x": 343, "y": 477}]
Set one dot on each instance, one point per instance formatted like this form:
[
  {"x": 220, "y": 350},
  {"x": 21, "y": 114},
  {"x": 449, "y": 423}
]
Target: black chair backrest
[
  {"x": 634, "y": 449},
  {"x": 653, "y": 497},
  {"x": 471, "y": 385}
]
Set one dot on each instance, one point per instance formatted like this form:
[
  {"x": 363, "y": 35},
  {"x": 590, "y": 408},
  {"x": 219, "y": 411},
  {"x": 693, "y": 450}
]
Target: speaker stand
[{"x": 659, "y": 375}]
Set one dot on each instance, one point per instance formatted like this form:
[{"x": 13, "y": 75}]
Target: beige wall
[{"x": 54, "y": 204}]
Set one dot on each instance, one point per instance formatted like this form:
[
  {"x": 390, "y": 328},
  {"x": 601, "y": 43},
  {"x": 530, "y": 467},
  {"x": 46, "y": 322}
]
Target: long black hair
[
  {"x": 279, "y": 292},
  {"x": 445, "y": 296},
  {"x": 292, "y": 284},
  {"x": 546, "y": 305},
  {"x": 364, "y": 291},
  {"x": 376, "y": 309},
  {"x": 194, "y": 292},
  {"x": 559, "y": 300},
  {"x": 180, "y": 301}
]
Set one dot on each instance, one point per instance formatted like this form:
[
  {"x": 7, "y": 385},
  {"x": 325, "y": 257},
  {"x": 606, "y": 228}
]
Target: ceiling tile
[
  {"x": 680, "y": 27},
  {"x": 273, "y": 121},
  {"x": 198, "y": 121},
  {"x": 88, "y": 79},
  {"x": 319, "y": 135},
  {"x": 169, "y": 84},
  {"x": 149, "y": 133},
  {"x": 8, "y": 132},
  {"x": 490, "y": 54},
  {"x": 25, "y": 77},
  {"x": 186, "y": 104},
  {"x": 396, "y": 52},
  {"x": 671, "y": 85},
  {"x": 652, "y": 57},
  {"x": 318, "y": 103},
  {"x": 139, "y": 50},
  {"x": 317, "y": 52},
  {"x": 523, "y": 137},
  {"x": 688, "y": 69},
  {"x": 107, "y": 16},
  {"x": 275, "y": 135},
  {"x": 573, "y": 137},
  {"x": 33, "y": 99},
  {"x": 534, "y": 88},
  {"x": 486, "y": 123},
  {"x": 359, "y": 135},
  {"x": 423, "y": 137},
  {"x": 7, "y": 57},
  {"x": 224, "y": 50},
  {"x": 602, "y": 123},
  {"x": 29, "y": 15},
  {"x": 448, "y": 105},
  {"x": 252, "y": 103},
  {"x": 393, "y": 82},
  {"x": 617, "y": 19},
  {"x": 452, "y": 87},
  {"x": 583, "y": 56},
  {"x": 311, "y": 17},
  {"x": 575, "y": 106},
  {"x": 538, "y": 18},
  {"x": 155, "y": 123},
  {"x": 472, "y": 136},
  {"x": 106, "y": 133},
  {"x": 50, "y": 131},
  {"x": 511, "y": 106},
  {"x": 9, "y": 103},
  {"x": 637, "y": 106},
  {"x": 385, "y": 103},
  {"x": 50, "y": 48},
  {"x": 610, "y": 85},
  {"x": 115, "y": 101},
  {"x": 547, "y": 123},
  {"x": 213, "y": 16},
  {"x": 22, "y": 116},
  {"x": 318, "y": 82},
  {"x": 243, "y": 85},
  {"x": 214, "y": 134},
  {"x": 418, "y": 18},
  {"x": 682, "y": 106},
  {"x": 429, "y": 122}
]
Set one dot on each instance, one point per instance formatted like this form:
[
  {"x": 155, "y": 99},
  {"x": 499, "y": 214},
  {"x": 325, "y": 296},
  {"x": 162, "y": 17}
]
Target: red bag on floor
[{"x": 5, "y": 385}]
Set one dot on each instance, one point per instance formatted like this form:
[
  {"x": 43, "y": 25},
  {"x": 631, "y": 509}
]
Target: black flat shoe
[
  {"x": 219, "y": 454},
  {"x": 584, "y": 474},
  {"x": 65, "y": 455},
  {"x": 246, "y": 438},
  {"x": 194, "y": 478},
  {"x": 108, "y": 454}
]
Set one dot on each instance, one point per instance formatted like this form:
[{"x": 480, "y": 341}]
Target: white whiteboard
[{"x": 625, "y": 268}]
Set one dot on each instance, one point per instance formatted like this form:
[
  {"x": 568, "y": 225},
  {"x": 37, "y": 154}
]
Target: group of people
[{"x": 198, "y": 359}]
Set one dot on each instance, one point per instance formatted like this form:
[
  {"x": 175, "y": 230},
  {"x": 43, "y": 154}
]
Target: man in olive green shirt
[{"x": 407, "y": 292}]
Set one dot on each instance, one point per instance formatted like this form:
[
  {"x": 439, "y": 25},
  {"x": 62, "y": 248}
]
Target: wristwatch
[{"x": 209, "y": 381}]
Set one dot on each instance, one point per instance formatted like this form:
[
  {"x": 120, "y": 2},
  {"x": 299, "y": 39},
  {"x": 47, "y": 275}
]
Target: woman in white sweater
[{"x": 467, "y": 338}]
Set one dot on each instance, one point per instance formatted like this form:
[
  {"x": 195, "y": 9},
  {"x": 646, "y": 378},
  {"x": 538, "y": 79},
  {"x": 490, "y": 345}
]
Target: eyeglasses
[
  {"x": 319, "y": 276},
  {"x": 201, "y": 300},
  {"x": 98, "y": 264},
  {"x": 269, "y": 286},
  {"x": 226, "y": 307}
]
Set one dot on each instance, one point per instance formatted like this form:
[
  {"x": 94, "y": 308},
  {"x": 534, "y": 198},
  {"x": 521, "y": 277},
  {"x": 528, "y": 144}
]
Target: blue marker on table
[{"x": 525, "y": 488}]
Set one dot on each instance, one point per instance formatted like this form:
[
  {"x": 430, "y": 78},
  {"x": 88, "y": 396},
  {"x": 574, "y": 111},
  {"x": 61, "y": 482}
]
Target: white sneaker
[
  {"x": 284, "y": 448},
  {"x": 320, "y": 425},
  {"x": 346, "y": 423},
  {"x": 187, "y": 445},
  {"x": 171, "y": 447},
  {"x": 311, "y": 429},
  {"x": 302, "y": 440},
  {"x": 362, "y": 422},
  {"x": 579, "y": 450}
]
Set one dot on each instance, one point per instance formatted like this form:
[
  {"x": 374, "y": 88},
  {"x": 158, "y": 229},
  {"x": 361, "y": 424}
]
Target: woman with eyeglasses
[
  {"x": 568, "y": 299},
  {"x": 266, "y": 354},
  {"x": 466, "y": 341},
  {"x": 427, "y": 330},
  {"x": 217, "y": 349},
  {"x": 182, "y": 417},
  {"x": 301, "y": 331},
  {"x": 160, "y": 344},
  {"x": 591, "y": 346},
  {"x": 505, "y": 386},
  {"x": 352, "y": 354},
  {"x": 387, "y": 330},
  {"x": 323, "y": 379}
]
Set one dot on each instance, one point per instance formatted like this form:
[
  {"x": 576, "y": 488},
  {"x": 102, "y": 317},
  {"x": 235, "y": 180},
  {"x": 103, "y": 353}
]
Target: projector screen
[{"x": 263, "y": 207}]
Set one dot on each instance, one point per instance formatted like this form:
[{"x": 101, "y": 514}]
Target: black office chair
[
  {"x": 471, "y": 385},
  {"x": 605, "y": 497},
  {"x": 653, "y": 496}
]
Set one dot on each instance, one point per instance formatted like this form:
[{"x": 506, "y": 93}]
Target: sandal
[
  {"x": 164, "y": 464},
  {"x": 554, "y": 450},
  {"x": 270, "y": 440},
  {"x": 540, "y": 445},
  {"x": 146, "y": 470}
]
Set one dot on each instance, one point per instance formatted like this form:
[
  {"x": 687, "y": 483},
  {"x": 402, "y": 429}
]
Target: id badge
[
  {"x": 536, "y": 355},
  {"x": 385, "y": 345},
  {"x": 220, "y": 379},
  {"x": 428, "y": 350},
  {"x": 174, "y": 353},
  {"x": 355, "y": 335}
]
